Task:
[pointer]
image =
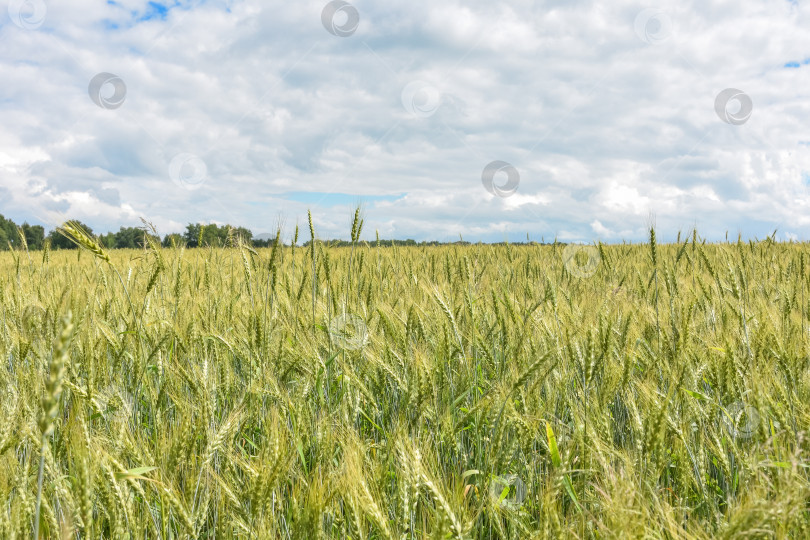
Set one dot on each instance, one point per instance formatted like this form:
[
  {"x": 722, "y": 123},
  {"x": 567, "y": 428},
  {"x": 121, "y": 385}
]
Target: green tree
[
  {"x": 214, "y": 235},
  {"x": 60, "y": 241},
  {"x": 131, "y": 238},
  {"x": 245, "y": 234},
  {"x": 107, "y": 240},
  {"x": 8, "y": 233},
  {"x": 173, "y": 240},
  {"x": 192, "y": 234},
  {"x": 34, "y": 235}
]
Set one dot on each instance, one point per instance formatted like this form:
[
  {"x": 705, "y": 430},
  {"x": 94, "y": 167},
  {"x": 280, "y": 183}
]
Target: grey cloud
[{"x": 567, "y": 93}]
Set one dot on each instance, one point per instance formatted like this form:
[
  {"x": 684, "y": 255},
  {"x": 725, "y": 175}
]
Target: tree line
[{"x": 13, "y": 236}]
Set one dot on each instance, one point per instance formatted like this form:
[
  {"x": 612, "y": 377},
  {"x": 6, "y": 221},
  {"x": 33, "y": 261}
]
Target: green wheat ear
[
  {"x": 56, "y": 369},
  {"x": 50, "y": 402},
  {"x": 75, "y": 233}
]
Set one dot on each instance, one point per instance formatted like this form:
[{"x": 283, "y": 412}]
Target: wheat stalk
[{"x": 50, "y": 401}]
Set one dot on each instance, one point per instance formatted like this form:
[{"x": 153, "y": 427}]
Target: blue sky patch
[
  {"x": 156, "y": 10},
  {"x": 798, "y": 64}
]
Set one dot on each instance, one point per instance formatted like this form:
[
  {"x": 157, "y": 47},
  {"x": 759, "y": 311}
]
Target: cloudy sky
[{"x": 600, "y": 118}]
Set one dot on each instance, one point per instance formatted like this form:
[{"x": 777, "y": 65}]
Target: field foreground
[{"x": 386, "y": 392}]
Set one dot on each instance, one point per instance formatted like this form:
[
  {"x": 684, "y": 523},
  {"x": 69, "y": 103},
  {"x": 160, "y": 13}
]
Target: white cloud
[{"x": 604, "y": 128}]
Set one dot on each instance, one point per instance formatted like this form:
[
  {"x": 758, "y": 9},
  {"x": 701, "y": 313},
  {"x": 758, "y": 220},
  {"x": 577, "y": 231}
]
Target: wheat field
[{"x": 481, "y": 391}]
